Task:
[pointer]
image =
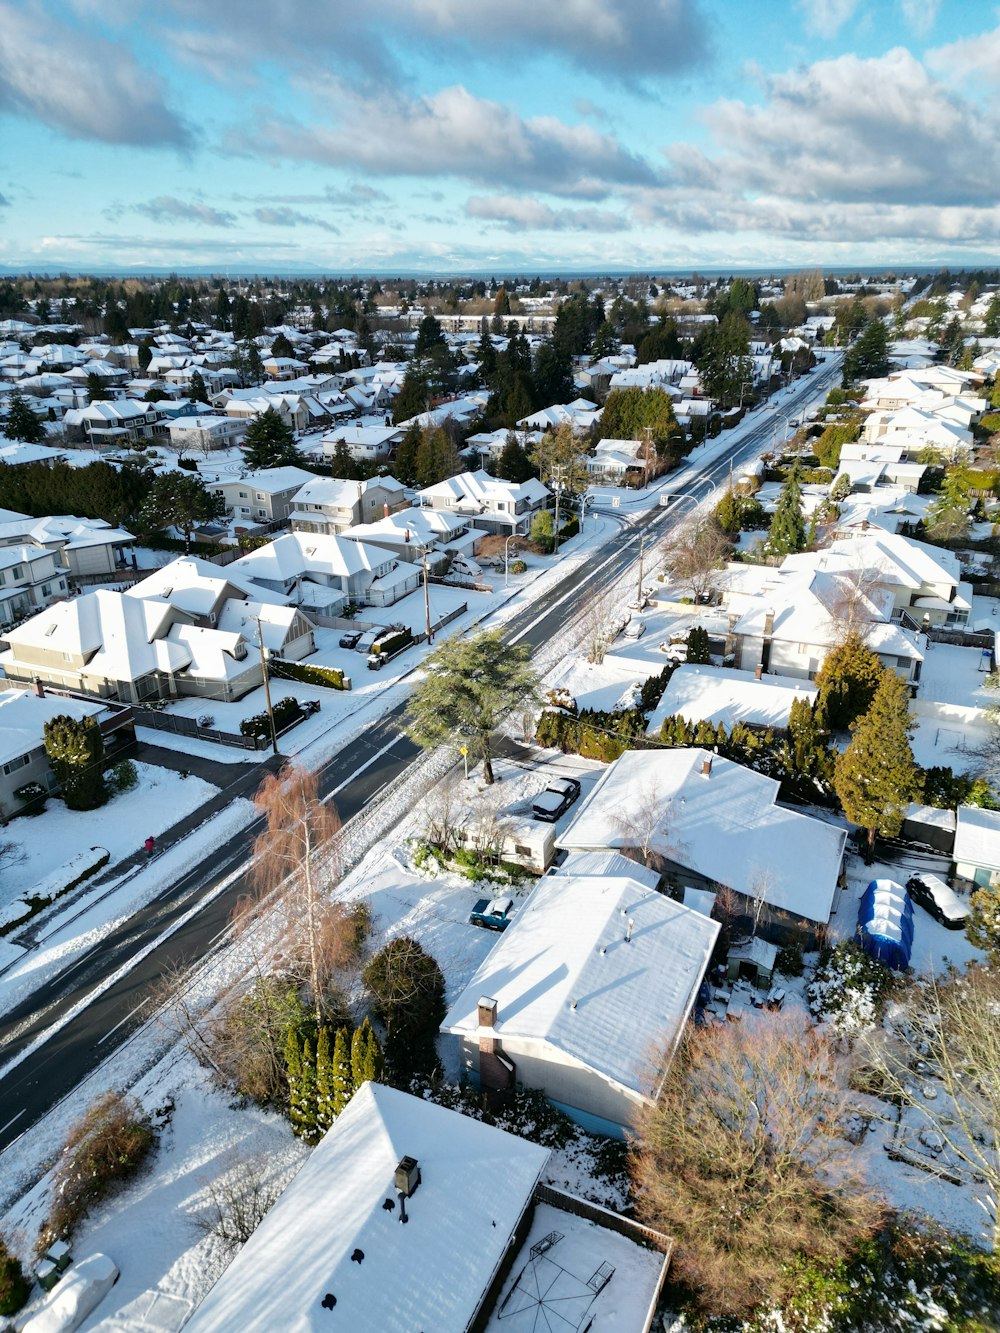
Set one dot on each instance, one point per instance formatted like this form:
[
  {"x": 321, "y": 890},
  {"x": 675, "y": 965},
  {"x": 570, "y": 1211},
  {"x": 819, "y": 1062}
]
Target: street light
[{"x": 747, "y": 384}]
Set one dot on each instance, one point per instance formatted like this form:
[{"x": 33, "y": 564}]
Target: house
[
  {"x": 617, "y": 458},
  {"x": 495, "y": 505},
  {"x": 204, "y": 432},
  {"x": 117, "y": 423},
  {"x": 593, "y": 981},
  {"x": 581, "y": 414},
  {"x": 331, "y": 1253},
  {"x": 410, "y": 532},
  {"x": 364, "y": 443},
  {"x": 265, "y": 496},
  {"x": 23, "y": 715},
  {"x": 329, "y": 505},
  {"x": 722, "y": 695},
  {"x": 326, "y": 573},
  {"x": 83, "y": 547},
  {"x": 30, "y": 577},
  {"x": 245, "y": 405},
  {"x": 977, "y": 846},
  {"x": 709, "y": 817}
]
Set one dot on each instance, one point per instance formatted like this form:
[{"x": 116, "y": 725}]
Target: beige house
[
  {"x": 263, "y": 497},
  {"x": 328, "y": 505}
]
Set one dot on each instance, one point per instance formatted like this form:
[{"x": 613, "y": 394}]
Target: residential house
[
  {"x": 581, "y": 414},
  {"x": 722, "y": 695},
  {"x": 329, "y": 505},
  {"x": 493, "y": 504},
  {"x": 30, "y": 577},
  {"x": 204, "y": 432},
  {"x": 617, "y": 458},
  {"x": 265, "y": 496},
  {"x": 977, "y": 846},
  {"x": 365, "y": 443},
  {"x": 410, "y": 532},
  {"x": 245, "y": 405},
  {"x": 704, "y": 816},
  {"x": 586, "y": 994},
  {"x": 324, "y": 573},
  {"x": 84, "y": 547},
  {"x": 23, "y": 715},
  {"x": 106, "y": 422}
]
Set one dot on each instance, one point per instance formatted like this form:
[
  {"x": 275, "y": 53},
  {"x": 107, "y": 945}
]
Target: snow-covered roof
[
  {"x": 410, "y": 526},
  {"x": 330, "y": 1233},
  {"x": 272, "y": 480},
  {"x": 23, "y": 715},
  {"x": 480, "y": 490},
  {"x": 339, "y": 494},
  {"x": 195, "y": 585},
  {"x": 719, "y": 694},
  {"x": 977, "y": 837},
  {"x": 564, "y": 973},
  {"x": 725, "y": 826},
  {"x": 297, "y": 553}
]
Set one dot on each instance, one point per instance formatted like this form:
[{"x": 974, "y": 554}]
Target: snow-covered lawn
[
  {"x": 955, "y": 675},
  {"x": 160, "y": 798}
]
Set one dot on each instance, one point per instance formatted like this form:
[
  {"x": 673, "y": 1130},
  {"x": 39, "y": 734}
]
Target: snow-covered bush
[{"x": 849, "y": 989}]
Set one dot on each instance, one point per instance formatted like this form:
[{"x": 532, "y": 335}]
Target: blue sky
[{"x": 403, "y": 135}]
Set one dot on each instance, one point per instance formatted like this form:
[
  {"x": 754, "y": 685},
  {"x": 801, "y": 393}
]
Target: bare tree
[
  {"x": 488, "y": 828},
  {"x": 644, "y": 829},
  {"x": 761, "y": 884},
  {"x": 602, "y": 621},
  {"x": 445, "y": 813},
  {"x": 181, "y": 1017},
  {"x": 696, "y": 554},
  {"x": 948, "y": 1036},
  {"x": 295, "y": 863},
  {"x": 742, "y": 1160},
  {"x": 239, "y": 1200},
  {"x": 853, "y": 602}
]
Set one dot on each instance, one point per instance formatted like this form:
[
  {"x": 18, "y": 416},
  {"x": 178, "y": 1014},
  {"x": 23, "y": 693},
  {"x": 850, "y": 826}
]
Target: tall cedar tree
[
  {"x": 308, "y": 1129},
  {"x": 877, "y": 777},
  {"x": 514, "y": 463},
  {"x": 366, "y": 1056},
  {"x": 199, "y": 392},
  {"x": 468, "y": 688},
  {"x": 343, "y": 1080},
  {"x": 408, "y": 989},
  {"x": 847, "y": 682},
  {"x": 788, "y": 529},
  {"x": 270, "y": 442},
  {"x": 325, "y": 1113},
  {"x": 868, "y": 357},
  {"x": 21, "y": 422},
  {"x": 293, "y": 1072},
  {"x": 182, "y": 502},
  {"x": 75, "y": 750}
]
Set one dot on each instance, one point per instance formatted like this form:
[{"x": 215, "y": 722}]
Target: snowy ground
[
  {"x": 48, "y": 840},
  {"x": 954, "y": 675}
]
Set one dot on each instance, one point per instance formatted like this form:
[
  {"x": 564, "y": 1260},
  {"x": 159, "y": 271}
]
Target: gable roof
[
  {"x": 725, "y": 827},
  {"x": 432, "y": 1274},
  {"x": 564, "y": 973}
]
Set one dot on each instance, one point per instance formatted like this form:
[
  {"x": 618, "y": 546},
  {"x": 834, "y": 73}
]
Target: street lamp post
[
  {"x": 506, "y": 555},
  {"x": 747, "y": 384},
  {"x": 427, "y": 595}
]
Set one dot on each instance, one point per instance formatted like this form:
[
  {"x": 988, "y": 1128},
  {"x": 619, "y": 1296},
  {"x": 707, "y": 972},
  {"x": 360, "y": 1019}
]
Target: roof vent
[{"x": 407, "y": 1177}]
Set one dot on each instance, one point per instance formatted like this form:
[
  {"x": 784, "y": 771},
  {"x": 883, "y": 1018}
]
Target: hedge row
[
  {"x": 285, "y": 712},
  {"x": 37, "y": 902},
  {"x": 393, "y": 643},
  {"x": 329, "y": 677}
]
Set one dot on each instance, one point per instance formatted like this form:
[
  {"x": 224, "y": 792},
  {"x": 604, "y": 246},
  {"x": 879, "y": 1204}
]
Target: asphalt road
[{"x": 356, "y": 773}]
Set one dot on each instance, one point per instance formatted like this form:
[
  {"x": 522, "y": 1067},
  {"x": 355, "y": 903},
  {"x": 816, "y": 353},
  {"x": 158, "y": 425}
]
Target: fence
[
  {"x": 187, "y": 726},
  {"x": 118, "y": 577}
]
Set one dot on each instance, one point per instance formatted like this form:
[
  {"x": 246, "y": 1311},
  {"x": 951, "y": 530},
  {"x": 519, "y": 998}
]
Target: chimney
[
  {"x": 758, "y": 671},
  {"x": 39, "y": 687},
  {"x": 768, "y": 624},
  {"x": 407, "y": 1177},
  {"x": 628, "y": 930},
  {"x": 406, "y": 536},
  {"x": 487, "y": 1012},
  {"x": 706, "y": 767}
]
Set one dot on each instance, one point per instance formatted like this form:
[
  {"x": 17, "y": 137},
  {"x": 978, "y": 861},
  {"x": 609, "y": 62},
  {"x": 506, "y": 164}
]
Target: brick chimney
[
  {"x": 706, "y": 766},
  {"x": 39, "y": 687},
  {"x": 758, "y": 671},
  {"x": 768, "y": 624},
  {"x": 496, "y": 1070}
]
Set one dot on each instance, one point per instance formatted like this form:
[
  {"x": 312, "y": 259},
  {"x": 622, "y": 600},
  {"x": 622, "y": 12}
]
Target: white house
[
  {"x": 331, "y": 1253},
  {"x": 329, "y": 505},
  {"x": 722, "y": 695},
  {"x": 82, "y": 546},
  {"x": 494, "y": 505},
  {"x": 30, "y": 577},
  {"x": 714, "y": 819},
  {"x": 205, "y": 431},
  {"x": 977, "y": 846},
  {"x": 326, "y": 572},
  {"x": 585, "y": 995},
  {"x": 264, "y": 496}
]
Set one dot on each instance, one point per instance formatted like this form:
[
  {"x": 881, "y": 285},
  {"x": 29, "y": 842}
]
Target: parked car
[
  {"x": 934, "y": 896},
  {"x": 367, "y": 640},
  {"x": 635, "y": 629},
  {"x": 555, "y": 800},
  {"x": 351, "y": 638},
  {"x": 492, "y": 913}
]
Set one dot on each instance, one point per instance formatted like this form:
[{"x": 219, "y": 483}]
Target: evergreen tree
[
  {"x": 366, "y": 1056},
  {"x": 877, "y": 777},
  {"x": 662, "y": 343},
  {"x": 21, "y": 422},
  {"x": 308, "y": 1128},
  {"x": 430, "y": 336},
  {"x": 324, "y": 1081},
  {"x": 697, "y": 646},
  {"x": 75, "y": 750},
  {"x": 486, "y": 355},
  {"x": 404, "y": 467},
  {"x": 343, "y": 1079},
  {"x": 868, "y": 357},
  {"x": 413, "y": 395},
  {"x": 145, "y": 354},
  {"x": 270, "y": 442},
  {"x": 281, "y": 347},
  {"x": 97, "y": 391},
  {"x": 180, "y": 501},
  {"x": 293, "y": 1072},
  {"x": 808, "y": 744},
  {"x": 514, "y": 463},
  {"x": 198, "y": 390},
  {"x": 14, "y": 1286},
  {"x": 847, "y": 682},
  {"x": 788, "y": 530},
  {"x": 255, "y": 363},
  {"x": 343, "y": 464}
]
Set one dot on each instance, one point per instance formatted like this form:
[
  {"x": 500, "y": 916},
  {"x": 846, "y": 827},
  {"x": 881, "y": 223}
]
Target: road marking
[
  {"x": 367, "y": 764},
  {"x": 10, "y": 1122},
  {"x": 124, "y": 1021}
]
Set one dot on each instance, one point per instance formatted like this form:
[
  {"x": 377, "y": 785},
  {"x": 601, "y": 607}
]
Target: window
[
  {"x": 259, "y": 495},
  {"x": 46, "y": 589},
  {"x": 262, "y": 513},
  {"x": 15, "y": 764},
  {"x": 522, "y": 850},
  {"x": 18, "y": 571},
  {"x": 244, "y": 495}
]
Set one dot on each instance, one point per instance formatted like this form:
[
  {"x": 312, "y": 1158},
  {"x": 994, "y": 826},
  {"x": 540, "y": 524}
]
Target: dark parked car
[
  {"x": 943, "y": 903},
  {"x": 555, "y": 800},
  {"x": 351, "y": 638},
  {"x": 492, "y": 914}
]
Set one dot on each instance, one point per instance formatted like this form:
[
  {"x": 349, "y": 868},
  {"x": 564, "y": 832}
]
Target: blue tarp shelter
[{"x": 885, "y": 923}]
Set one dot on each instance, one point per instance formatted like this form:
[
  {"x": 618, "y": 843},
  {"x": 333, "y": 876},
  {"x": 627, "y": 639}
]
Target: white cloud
[
  {"x": 827, "y": 17},
  {"x": 520, "y": 213},
  {"x": 968, "y": 57},
  {"x": 167, "y": 208},
  {"x": 291, "y": 217},
  {"x": 920, "y": 14},
  {"x": 85, "y": 86},
  {"x": 448, "y": 133}
]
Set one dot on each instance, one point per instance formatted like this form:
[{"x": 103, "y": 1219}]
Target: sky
[{"x": 317, "y": 136}]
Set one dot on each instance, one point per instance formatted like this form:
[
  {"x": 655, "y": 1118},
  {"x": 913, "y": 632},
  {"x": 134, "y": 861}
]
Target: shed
[{"x": 753, "y": 960}]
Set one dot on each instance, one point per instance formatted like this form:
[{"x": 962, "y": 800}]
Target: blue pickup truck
[{"x": 492, "y": 913}]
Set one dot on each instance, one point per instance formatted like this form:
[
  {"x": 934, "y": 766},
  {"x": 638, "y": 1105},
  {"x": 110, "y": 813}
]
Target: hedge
[
  {"x": 395, "y": 643},
  {"x": 259, "y": 726},
  {"x": 51, "y": 889},
  {"x": 329, "y": 677}
]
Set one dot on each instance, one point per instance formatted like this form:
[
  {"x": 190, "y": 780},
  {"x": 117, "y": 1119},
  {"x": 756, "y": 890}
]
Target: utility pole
[
  {"x": 558, "y": 485},
  {"x": 648, "y": 432},
  {"x": 427, "y": 597},
  {"x": 267, "y": 686},
  {"x": 642, "y": 543}
]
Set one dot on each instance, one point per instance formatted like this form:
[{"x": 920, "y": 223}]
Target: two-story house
[
  {"x": 82, "y": 546},
  {"x": 266, "y": 496},
  {"x": 329, "y": 505},
  {"x": 117, "y": 423},
  {"x": 204, "y": 432},
  {"x": 30, "y": 577},
  {"x": 495, "y": 505},
  {"x": 324, "y": 573}
]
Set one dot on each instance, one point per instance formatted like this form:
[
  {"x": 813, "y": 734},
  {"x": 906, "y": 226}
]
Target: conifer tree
[
  {"x": 366, "y": 1056},
  {"x": 788, "y": 529},
  {"x": 307, "y": 1095},
  {"x": 199, "y": 392},
  {"x": 405, "y": 465},
  {"x": 847, "y": 682},
  {"x": 21, "y": 423},
  {"x": 324, "y": 1082},
  {"x": 877, "y": 777},
  {"x": 270, "y": 442},
  {"x": 343, "y": 1082},
  {"x": 293, "y": 1070}
]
